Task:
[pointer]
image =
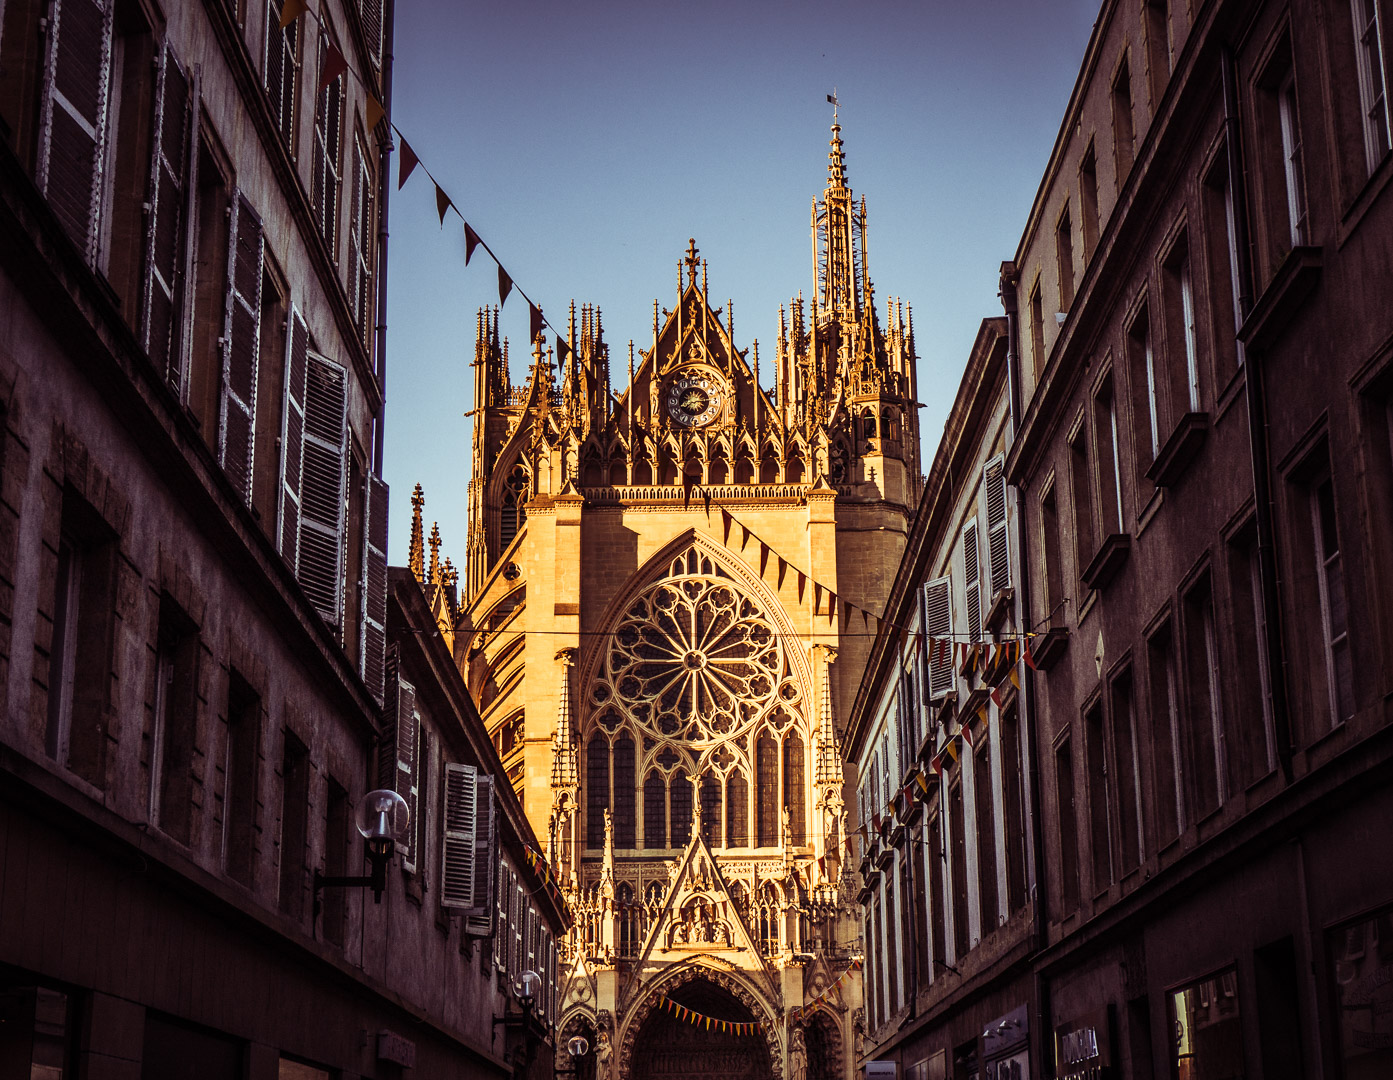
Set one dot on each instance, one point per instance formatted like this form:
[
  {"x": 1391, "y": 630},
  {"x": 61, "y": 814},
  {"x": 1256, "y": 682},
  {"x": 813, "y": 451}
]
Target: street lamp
[
  {"x": 521, "y": 1030},
  {"x": 577, "y": 1047},
  {"x": 381, "y": 818}
]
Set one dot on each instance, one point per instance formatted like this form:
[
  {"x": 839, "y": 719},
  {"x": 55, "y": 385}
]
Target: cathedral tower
[{"x": 655, "y": 625}]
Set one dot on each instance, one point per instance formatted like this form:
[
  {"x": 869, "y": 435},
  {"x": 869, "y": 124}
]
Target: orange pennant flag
[
  {"x": 292, "y": 10},
  {"x": 375, "y": 112}
]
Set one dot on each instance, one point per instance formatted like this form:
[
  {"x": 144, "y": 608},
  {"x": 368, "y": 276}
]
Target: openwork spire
[
  {"x": 415, "y": 558},
  {"x": 829, "y": 758},
  {"x": 564, "y": 770},
  {"x": 435, "y": 553}
]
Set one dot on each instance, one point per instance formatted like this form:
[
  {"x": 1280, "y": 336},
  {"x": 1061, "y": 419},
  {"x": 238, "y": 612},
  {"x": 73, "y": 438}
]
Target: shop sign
[
  {"x": 1083, "y": 1050},
  {"x": 880, "y": 1070},
  {"x": 396, "y": 1049},
  {"x": 1006, "y": 1046}
]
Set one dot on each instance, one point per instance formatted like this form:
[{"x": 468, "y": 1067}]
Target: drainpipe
[
  {"x": 1254, "y": 398},
  {"x": 384, "y": 188},
  {"x": 1009, "y": 281}
]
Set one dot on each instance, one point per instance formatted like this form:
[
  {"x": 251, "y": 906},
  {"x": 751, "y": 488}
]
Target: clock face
[{"x": 694, "y": 399}]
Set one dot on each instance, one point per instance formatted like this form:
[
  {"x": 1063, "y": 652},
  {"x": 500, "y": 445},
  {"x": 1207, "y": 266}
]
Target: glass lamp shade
[
  {"x": 526, "y": 985},
  {"x": 383, "y": 817},
  {"x": 578, "y": 1047}
]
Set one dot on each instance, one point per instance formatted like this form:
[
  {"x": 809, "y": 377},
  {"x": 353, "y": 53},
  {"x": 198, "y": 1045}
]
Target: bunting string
[
  {"x": 821, "y": 999},
  {"x": 710, "y": 1023}
]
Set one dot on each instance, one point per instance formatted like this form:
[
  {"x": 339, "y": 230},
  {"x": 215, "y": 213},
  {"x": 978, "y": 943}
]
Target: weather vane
[{"x": 832, "y": 98}]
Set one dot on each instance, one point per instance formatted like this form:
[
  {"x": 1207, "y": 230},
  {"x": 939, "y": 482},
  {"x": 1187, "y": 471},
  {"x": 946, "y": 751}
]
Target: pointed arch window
[
  {"x": 514, "y": 511},
  {"x": 681, "y": 810},
  {"x": 624, "y": 793},
  {"x": 596, "y": 789},
  {"x": 767, "y": 779},
  {"x": 737, "y": 810},
  {"x": 711, "y": 815},
  {"x": 654, "y": 811},
  {"x": 793, "y": 789}
]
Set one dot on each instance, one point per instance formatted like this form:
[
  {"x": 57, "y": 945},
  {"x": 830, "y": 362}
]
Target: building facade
[
  {"x": 943, "y": 756},
  {"x": 194, "y": 604},
  {"x": 656, "y": 629}
]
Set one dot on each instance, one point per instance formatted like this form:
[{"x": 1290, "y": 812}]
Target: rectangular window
[
  {"x": 878, "y": 922},
  {"x": 1064, "y": 252},
  {"x": 1126, "y": 773},
  {"x": 174, "y": 722},
  {"x": 1257, "y": 754},
  {"x": 1360, "y": 958},
  {"x": 1068, "y": 829},
  {"x": 324, "y": 488},
  {"x": 1037, "y": 328},
  {"x": 957, "y": 831},
  {"x": 1109, "y": 463},
  {"x": 241, "y": 347},
  {"x": 998, "y": 543},
  {"x": 243, "y": 768},
  {"x": 1334, "y": 605},
  {"x": 986, "y": 833},
  {"x": 295, "y": 815},
  {"x": 80, "y": 652},
  {"x": 934, "y": 856},
  {"x": 327, "y": 167},
  {"x": 281, "y": 71},
  {"x": 1293, "y": 171},
  {"x": 1100, "y": 812},
  {"x": 1225, "y": 288},
  {"x": 1142, "y": 363},
  {"x": 972, "y": 581},
  {"x": 1208, "y": 1035},
  {"x": 1158, "y": 49},
  {"x": 1165, "y": 735},
  {"x": 1081, "y": 484},
  {"x": 1053, "y": 569},
  {"x": 939, "y": 611},
  {"x": 1203, "y": 712},
  {"x": 1013, "y": 807},
  {"x": 1373, "y": 96},
  {"x": 360, "y": 241},
  {"x": 337, "y": 831},
  {"x": 1177, "y": 389},
  {"x": 892, "y": 944},
  {"x": 210, "y": 220},
  {"x": 1123, "y": 136},
  {"x": 38, "y": 1032},
  {"x": 1088, "y": 201}
]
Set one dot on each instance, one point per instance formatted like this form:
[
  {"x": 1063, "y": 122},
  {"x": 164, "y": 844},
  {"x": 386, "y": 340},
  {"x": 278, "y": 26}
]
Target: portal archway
[{"x": 661, "y": 1046}]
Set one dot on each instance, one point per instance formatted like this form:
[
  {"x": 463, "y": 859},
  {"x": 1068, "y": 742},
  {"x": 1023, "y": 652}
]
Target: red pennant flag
[
  {"x": 471, "y": 241},
  {"x": 846, "y": 613},
  {"x": 534, "y": 317},
  {"x": 291, "y": 11},
  {"x": 409, "y": 161},
  {"x": 831, "y": 605},
  {"x": 505, "y": 285},
  {"x": 937, "y": 764},
  {"x": 817, "y": 595},
  {"x": 763, "y": 557},
  {"x": 802, "y": 580},
  {"x": 998, "y": 694},
  {"x": 865, "y": 620},
  {"x": 726, "y": 520},
  {"x": 966, "y": 732},
  {"x": 689, "y": 483},
  {"x": 442, "y": 203},
  {"x": 332, "y": 66},
  {"x": 706, "y": 501},
  {"x": 876, "y": 819},
  {"x": 744, "y": 537},
  {"x": 1030, "y": 659}
]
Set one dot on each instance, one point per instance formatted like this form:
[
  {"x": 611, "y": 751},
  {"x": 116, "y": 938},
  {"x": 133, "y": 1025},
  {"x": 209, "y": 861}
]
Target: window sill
[
  {"x": 1279, "y": 303},
  {"x": 1111, "y": 557},
  {"x": 1001, "y": 607},
  {"x": 1180, "y": 449},
  {"x": 1052, "y": 645},
  {"x": 1150, "y": 510}
]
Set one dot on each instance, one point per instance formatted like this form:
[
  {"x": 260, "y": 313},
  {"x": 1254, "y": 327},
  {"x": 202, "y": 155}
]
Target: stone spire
[
  {"x": 415, "y": 557},
  {"x": 434, "y": 578}
]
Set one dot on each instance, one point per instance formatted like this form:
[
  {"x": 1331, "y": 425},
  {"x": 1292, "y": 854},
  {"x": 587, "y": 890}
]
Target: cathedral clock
[{"x": 694, "y": 399}]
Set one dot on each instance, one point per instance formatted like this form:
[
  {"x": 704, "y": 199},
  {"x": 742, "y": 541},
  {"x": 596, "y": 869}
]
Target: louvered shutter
[
  {"x": 478, "y": 920},
  {"x": 457, "y": 847},
  {"x": 293, "y": 437},
  {"x": 360, "y": 240},
  {"x": 373, "y": 589},
  {"x": 74, "y": 111},
  {"x": 938, "y": 605},
  {"x": 504, "y": 934},
  {"x": 530, "y": 962},
  {"x": 241, "y": 347},
  {"x": 282, "y": 63},
  {"x": 323, "y": 507},
  {"x": 165, "y": 243},
  {"x": 397, "y": 751},
  {"x": 515, "y": 949},
  {"x": 972, "y": 581},
  {"x": 998, "y": 549},
  {"x": 370, "y": 11}
]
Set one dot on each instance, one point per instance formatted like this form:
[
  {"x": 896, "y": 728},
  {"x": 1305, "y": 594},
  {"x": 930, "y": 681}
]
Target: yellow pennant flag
[
  {"x": 375, "y": 112},
  {"x": 292, "y": 10}
]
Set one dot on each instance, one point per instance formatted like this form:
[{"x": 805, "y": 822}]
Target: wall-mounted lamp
[
  {"x": 382, "y": 817},
  {"x": 577, "y": 1047}
]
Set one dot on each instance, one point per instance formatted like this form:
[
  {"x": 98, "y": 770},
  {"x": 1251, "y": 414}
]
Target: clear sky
[{"x": 586, "y": 140}]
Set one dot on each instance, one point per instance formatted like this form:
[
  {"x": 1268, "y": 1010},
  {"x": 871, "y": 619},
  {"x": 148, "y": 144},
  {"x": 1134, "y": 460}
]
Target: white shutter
[
  {"x": 457, "y": 847},
  {"x": 972, "y": 581},
  {"x": 478, "y": 920},
  {"x": 397, "y": 751},
  {"x": 370, "y": 13},
  {"x": 938, "y": 606},
  {"x": 519, "y": 904},
  {"x": 324, "y": 482},
  {"x": 165, "y": 233},
  {"x": 504, "y": 934},
  {"x": 282, "y": 62},
  {"x": 998, "y": 550},
  {"x": 74, "y": 116},
  {"x": 293, "y": 438},
  {"x": 373, "y": 588},
  {"x": 530, "y": 961},
  {"x": 241, "y": 347}
]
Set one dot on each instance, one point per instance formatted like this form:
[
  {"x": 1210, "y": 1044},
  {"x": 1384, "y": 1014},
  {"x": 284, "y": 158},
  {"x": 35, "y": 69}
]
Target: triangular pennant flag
[
  {"x": 966, "y": 732},
  {"x": 292, "y": 10},
  {"x": 763, "y": 557},
  {"x": 706, "y": 501},
  {"x": 331, "y": 68},
  {"x": 998, "y": 694},
  {"x": 375, "y": 112},
  {"x": 505, "y": 285},
  {"x": 846, "y": 612},
  {"x": 952, "y": 749},
  {"x": 409, "y": 161},
  {"x": 802, "y": 580},
  {"x": 782, "y": 566},
  {"x": 937, "y": 763},
  {"x": 726, "y": 521},
  {"x": 1015, "y": 679},
  {"x": 831, "y": 605},
  {"x": 922, "y": 781},
  {"x": 865, "y": 620},
  {"x": 1029, "y": 658},
  {"x": 689, "y": 483},
  {"x": 744, "y": 537},
  {"x": 471, "y": 241},
  {"x": 534, "y": 321},
  {"x": 817, "y": 595},
  {"x": 563, "y": 350},
  {"x": 442, "y": 203}
]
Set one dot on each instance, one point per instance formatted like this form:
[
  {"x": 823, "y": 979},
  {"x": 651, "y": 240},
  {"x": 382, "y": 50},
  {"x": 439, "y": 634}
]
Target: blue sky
[{"x": 585, "y": 141}]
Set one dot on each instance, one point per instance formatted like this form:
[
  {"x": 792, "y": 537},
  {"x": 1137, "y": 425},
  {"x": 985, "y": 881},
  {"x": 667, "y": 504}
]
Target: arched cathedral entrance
[{"x": 671, "y": 1048}]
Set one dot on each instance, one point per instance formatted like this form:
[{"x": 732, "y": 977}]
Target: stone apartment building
[
  {"x": 193, "y": 619},
  {"x": 1199, "y": 368}
]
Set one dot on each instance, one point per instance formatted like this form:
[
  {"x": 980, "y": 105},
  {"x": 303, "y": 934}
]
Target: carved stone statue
[
  {"x": 604, "y": 1052},
  {"x": 797, "y": 1056}
]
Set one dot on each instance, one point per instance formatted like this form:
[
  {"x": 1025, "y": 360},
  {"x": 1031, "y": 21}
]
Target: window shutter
[
  {"x": 478, "y": 920},
  {"x": 938, "y": 604},
  {"x": 397, "y": 752},
  {"x": 282, "y": 60},
  {"x": 519, "y": 903},
  {"x": 361, "y": 242},
  {"x": 373, "y": 636},
  {"x": 323, "y": 508},
  {"x": 972, "y": 581},
  {"x": 532, "y": 936},
  {"x": 74, "y": 110},
  {"x": 998, "y": 551},
  {"x": 241, "y": 347},
  {"x": 387, "y": 745},
  {"x": 165, "y": 244},
  {"x": 457, "y": 847},
  {"x": 327, "y": 154},
  {"x": 504, "y": 935},
  {"x": 293, "y": 438},
  {"x": 370, "y": 13}
]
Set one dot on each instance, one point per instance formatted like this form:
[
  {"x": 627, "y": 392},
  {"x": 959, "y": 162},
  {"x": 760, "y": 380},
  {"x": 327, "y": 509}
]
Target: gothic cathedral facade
[{"x": 661, "y": 623}]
